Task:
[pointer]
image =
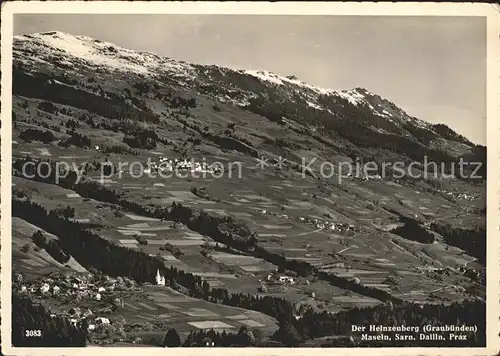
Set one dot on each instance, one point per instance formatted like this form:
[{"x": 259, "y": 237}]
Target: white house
[
  {"x": 45, "y": 288},
  {"x": 286, "y": 279},
  {"x": 98, "y": 296},
  {"x": 197, "y": 167},
  {"x": 101, "y": 289},
  {"x": 101, "y": 320}
]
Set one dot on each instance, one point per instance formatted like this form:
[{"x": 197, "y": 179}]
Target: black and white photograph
[{"x": 262, "y": 178}]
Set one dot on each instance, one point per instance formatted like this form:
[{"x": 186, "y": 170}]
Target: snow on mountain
[
  {"x": 47, "y": 46},
  {"x": 279, "y": 80},
  {"x": 95, "y": 53},
  {"x": 315, "y": 106},
  {"x": 357, "y": 97},
  {"x": 52, "y": 49},
  {"x": 353, "y": 96}
]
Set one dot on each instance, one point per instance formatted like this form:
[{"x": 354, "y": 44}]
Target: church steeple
[{"x": 160, "y": 280}]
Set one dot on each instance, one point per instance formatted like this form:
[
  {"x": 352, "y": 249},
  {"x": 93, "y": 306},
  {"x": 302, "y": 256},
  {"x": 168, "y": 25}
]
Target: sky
[{"x": 432, "y": 67}]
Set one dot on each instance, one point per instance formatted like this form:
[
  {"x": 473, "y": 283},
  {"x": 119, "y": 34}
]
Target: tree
[
  {"x": 67, "y": 212},
  {"x": 206, "y": 289},
  {"x": 55, "y": 331},
  {"x": 172, "y": 339},
  {"x": 77, "y": 140},
  {"x": 245, "y": 336},
  {"x": 288, "y": 334},
  {"x": 38, "y": 238},
  {"x": 47, "y": 106},
  {"x": 174, "y": 284},
  {"x": 37, "y": 135}
]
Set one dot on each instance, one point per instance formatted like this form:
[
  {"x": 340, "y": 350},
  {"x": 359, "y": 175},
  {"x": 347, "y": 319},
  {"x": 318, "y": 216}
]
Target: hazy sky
[{"x": 433, "y": 67}]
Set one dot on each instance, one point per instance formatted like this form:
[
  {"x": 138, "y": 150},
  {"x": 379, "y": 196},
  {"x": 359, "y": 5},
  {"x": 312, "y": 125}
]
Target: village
[
  {"x": 316, "y": 222},
  {"x": 119, "y": 310},
  {"x": 460, "y": 196},
  {"x": 89, "y": 300},
  {"x": 164, "y": 164}
]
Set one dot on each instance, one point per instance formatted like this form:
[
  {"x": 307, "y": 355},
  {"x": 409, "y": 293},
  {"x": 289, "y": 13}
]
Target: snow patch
[
  {"x": 353, "y": 96},
  {"x": 265, "y": 76},
  {"x": 99, "y": 53},
  {"x": 379, "y": 130},
  {"x": 420, "y": 123},
  {"x": 279, "y": 80},
  {"x": 315, "y": 106},
  {"x": 59, "y": 47},
  {"x": 384, "y": 114}
]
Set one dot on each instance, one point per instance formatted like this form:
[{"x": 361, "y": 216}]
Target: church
[{"x": 160, "y": 280}]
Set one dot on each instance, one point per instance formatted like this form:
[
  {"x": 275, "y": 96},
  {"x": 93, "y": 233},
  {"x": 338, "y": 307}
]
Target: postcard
[{"x": 278, "y": 178}]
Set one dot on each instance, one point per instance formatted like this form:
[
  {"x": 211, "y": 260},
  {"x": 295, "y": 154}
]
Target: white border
[{"x": 261, "y": 8}]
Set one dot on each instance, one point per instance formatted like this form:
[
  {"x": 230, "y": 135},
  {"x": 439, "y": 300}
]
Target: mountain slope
[{"x": 331, "y": 112}]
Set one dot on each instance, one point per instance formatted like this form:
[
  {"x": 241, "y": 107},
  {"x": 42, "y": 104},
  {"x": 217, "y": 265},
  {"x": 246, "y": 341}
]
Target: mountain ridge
[
  {"x": 357, "y": 115},
  {"x": 113, "y": 57}
]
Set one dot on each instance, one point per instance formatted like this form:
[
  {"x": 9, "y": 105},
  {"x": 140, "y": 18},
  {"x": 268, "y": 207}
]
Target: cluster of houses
[
  {"x": 275, "y": 278},
  {"x": 316, "y": 222},
  {"x": 362, "y": 177},
  {"x": 168, "y": 165},
  {"x": 267, "y": 212},
  {"x": 470, "y": 272},
  {"x": 77, "y": 288},
  {"x": 76, "y": 316},
  {"x": 331, "y": 226},
  {"x": 465, "y": 196},
  {"x": 74, "y": 287},
  {"x": 461, "y": 196}
]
